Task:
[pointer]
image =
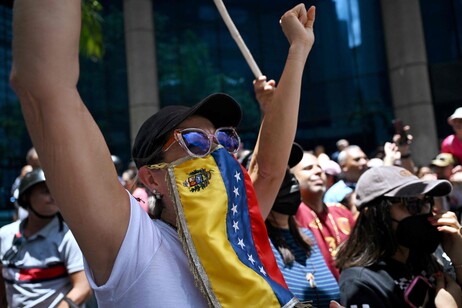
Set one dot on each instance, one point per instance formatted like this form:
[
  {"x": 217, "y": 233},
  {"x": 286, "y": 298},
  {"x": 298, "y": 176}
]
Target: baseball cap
[
  {"x": 296, "y": 155},
  {"x": 219, "y": 108},
  {"x": 443, "y": 160},
  {"x": 456, "y": 115},
  {"x": 392, "y": 181}
]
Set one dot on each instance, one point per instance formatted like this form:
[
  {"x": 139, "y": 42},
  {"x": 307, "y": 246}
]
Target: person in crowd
[
  {"x": 330, "y": 223},
  {"x": 188, "y": 257},
  {"x": 332, "y": 171},
  {"x": 445, "y": 167},
  {"x": 297, "y": 254},
  {"x": 453, "y": 143},
  {"x": 136, "y": 188},
  {"x": 387, "y": 261},
  {"x": 341, "y": 144},
  {"x": 32, "y": 162},
  {"x": 426, "y": 173},
  {"x": 42, "y": 265},
  {"x": 353, "y": 162}
]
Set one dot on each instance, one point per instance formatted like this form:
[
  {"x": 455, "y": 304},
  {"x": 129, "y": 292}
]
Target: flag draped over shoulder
[{"x": 224, "y": 236}]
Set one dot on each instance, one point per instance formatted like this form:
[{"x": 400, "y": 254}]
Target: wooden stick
[{"x": 237, "y": 37}]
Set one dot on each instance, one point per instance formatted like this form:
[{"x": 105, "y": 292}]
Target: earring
[{"x": 157, "y": 194}]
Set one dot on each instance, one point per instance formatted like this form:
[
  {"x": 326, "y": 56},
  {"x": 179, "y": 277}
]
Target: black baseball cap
[{"x": 219, "y": 108}]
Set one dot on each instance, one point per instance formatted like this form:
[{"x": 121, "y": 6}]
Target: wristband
[{"x": 70, "y": 302}]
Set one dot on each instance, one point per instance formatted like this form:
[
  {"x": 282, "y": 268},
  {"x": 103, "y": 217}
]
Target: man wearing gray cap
[{"x": 388, "y": 259}]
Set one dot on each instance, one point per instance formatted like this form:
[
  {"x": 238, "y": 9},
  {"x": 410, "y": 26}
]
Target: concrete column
[
  {"x": 140, "y": 48},
  {"x": 408, "y": 74}
]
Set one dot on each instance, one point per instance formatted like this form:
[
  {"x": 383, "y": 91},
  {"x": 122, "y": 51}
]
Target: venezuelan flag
[{"x": 224, "y": 234}]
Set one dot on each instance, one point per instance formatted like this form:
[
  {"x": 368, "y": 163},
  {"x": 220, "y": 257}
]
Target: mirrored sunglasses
[
  {"x": 416, "y": 205},
  {"x": 198, "y": 143}
]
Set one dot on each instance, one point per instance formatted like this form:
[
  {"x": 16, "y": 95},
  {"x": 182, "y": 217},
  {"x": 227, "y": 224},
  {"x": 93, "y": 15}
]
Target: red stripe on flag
[
  {"x": 260, "y": 235},
  {"x": 31, "y": 274}
]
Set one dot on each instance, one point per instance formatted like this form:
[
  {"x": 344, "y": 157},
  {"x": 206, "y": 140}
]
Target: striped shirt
[{"x": 298, "y": 273}]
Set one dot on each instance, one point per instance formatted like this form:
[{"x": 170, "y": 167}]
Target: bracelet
[{"x": 406, "y": 155}]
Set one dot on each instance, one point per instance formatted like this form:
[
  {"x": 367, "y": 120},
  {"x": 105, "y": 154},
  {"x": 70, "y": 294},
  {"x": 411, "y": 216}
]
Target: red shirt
[
  {"x": 330, "y": 228},
  {"x": 451, "y": 144}
]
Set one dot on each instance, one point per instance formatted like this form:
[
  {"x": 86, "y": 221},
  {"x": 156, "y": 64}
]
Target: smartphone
[
  {"x": 399, "y": 129},
  {"x": 416, "y": 293}
]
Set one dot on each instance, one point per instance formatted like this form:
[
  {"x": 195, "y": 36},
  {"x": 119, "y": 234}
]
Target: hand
[
  {"x": 403, "y": 144},
  {"x": 264, "y": 92},
  {"x": 452, "y": 239},
  {"x": 448, "y": 292},
  {"x": 334, "y": 304},
  {"x": 297, "y": 25},
  {"x": 392, "y": 153}
]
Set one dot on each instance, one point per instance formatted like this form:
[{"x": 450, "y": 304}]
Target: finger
[
  {"x": 440, "y": 283},
  {"x": 311, "y": 16}
]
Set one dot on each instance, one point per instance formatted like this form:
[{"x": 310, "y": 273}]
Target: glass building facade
[{"x": 346, "y": 91}]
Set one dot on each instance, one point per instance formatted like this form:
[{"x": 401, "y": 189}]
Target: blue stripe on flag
[{"x": 238, "y": 221}]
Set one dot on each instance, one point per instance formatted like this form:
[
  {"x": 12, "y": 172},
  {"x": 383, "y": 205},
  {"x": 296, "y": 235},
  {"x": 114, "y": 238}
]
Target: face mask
[
  {"x": 417, "y": 234},
  {"x": 288, "y": 199},
  {"x": 223, "y": 233}
]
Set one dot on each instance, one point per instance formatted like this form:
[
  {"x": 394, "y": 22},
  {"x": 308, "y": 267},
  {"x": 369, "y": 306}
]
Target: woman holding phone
[{"x": 388, "y": 259}]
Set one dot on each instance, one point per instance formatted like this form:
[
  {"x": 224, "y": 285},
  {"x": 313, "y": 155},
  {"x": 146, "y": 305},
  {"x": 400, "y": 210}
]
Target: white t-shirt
[{"x": 151, "y": 268}]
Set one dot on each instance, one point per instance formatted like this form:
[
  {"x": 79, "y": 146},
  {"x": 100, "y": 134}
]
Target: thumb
[{"x": 334, "y": 304}]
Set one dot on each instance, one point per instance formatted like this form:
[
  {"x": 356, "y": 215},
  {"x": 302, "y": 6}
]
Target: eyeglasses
[
  {"x": 198, "y": 143},
  {"x": 415, "y": 205}
]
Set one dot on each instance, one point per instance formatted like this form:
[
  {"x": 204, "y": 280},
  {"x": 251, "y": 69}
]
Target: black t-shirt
[{"x": 380, "y": 285}]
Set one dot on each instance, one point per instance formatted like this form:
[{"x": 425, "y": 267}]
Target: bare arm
[
  {"x": 80, "y": 291},
  {"x": 277, "y": 131},
  {"x": 72, "y": 150}
]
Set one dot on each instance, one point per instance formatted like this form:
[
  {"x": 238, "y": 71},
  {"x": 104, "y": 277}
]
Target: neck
[
  {"x": 315, "y": 203},
  {"x": 401, "y": 254},
  {"x": 278, "y": 220},
  {"x": 34, "y": 224}
]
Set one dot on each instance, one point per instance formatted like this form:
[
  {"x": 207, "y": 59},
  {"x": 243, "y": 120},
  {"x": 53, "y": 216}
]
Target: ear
[{"x": 149, "y": 177}]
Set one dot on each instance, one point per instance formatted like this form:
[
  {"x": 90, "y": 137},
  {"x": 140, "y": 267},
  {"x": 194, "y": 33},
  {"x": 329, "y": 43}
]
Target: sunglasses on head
[
  {"x": 198, "y": 143},
  {"x": 415, "y": 205}
]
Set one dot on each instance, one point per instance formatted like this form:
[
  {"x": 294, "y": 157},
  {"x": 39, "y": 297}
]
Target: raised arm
[
  {"x": 72, "y": 150},
  {"x": 277, "y": 131}
]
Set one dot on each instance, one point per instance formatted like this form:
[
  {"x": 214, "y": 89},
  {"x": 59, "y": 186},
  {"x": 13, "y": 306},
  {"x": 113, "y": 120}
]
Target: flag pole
[{"x": 237, "y": 37}]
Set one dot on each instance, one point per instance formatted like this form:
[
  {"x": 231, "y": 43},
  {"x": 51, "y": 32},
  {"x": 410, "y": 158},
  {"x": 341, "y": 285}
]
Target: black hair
[
  {"x": 280, "y": 243},
  {"x": 371, "y": 239}
]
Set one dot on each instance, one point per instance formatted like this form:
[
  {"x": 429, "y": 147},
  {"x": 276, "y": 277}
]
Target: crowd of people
[{"x": 196, "y": 220}]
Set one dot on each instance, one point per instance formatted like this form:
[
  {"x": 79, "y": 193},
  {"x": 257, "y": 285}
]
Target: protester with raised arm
[{"x": 182, "y": 156}]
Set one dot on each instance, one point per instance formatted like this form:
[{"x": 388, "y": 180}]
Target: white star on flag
[
  {"x": 236, "y": 192},
  {"x": 262, "y": 270},
  {"x": 234, "y": 209},
  {"x": 237, "y": 176},
  {"x": 250, "y": 257},
  {"x": 241, "y": 243},
  {"x": 235, "y": 225}
]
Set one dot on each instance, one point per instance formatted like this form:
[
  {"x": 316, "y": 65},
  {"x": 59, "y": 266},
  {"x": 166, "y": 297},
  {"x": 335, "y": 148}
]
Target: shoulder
[
  {"x": 448, "y": 140},
  {"x": 363, "y": 285},
  {"x": 9, "y": 229}
]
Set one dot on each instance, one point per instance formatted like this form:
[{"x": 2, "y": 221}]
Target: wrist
[
  {"x": 405, "y": 156},
  {"x": 70, "y": 302}
]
